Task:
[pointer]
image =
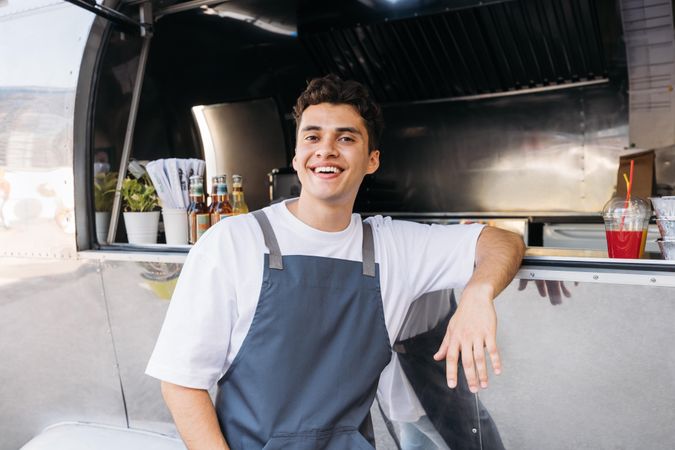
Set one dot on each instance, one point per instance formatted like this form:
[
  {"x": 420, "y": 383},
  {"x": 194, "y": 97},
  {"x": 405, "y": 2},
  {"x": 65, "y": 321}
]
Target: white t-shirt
[{"x": 217, "y": 292}]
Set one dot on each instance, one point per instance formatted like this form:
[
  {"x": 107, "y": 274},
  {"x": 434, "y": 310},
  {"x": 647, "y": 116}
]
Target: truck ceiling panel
[{"x": 491, "y": 48}]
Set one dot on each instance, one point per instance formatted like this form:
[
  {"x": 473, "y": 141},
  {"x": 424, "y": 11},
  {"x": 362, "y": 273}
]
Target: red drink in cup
[
  {"x": 624, "y": 244},
  {"x": 626, "y": 225}
]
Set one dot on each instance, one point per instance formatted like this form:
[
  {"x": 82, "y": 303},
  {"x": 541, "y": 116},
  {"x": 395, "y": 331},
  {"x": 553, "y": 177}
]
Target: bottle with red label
[{"x": 198, "y": 213}]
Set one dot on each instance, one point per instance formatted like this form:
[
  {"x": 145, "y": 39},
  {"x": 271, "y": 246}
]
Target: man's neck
[{"x": 322, "y": 216}]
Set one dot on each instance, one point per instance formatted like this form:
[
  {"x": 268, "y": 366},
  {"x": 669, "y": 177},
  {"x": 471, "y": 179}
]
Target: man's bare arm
[
  {"x": 473, "y": 327},
  {"x": 195, "y": 417}
]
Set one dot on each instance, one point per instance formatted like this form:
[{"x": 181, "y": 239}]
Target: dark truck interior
[{"x": 492, "y": 108}]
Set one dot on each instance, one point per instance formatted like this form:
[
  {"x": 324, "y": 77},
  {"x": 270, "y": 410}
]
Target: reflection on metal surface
[
  {"x": 244, "y": 14},
  {"x": 665, "y": 171},
  {"x": 588, "y": 236},
  {"x": 58, "y": 359},
  {"x": 450, "y": 418},
  {"x": 234, "y": 144},
  {"x": 583, "y": 372},
  {"x": 149, "y": 256},
  {"x": 556, "y": 151},
  {"x": 36, "y": 114},
  {"x": 161, "y": 278},
  {"x": 510, "y": 93},
  {"x": 136, "y": 316}
]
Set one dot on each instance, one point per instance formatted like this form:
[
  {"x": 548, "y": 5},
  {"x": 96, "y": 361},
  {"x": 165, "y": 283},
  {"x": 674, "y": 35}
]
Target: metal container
[
  {"x": 667, "y": 247},
  {"x": 664, "y": 207},
  {"x": 666, "y": 228}
]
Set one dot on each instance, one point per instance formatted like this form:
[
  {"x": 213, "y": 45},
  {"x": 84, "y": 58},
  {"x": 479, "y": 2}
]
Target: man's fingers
[
  {"x": 451, "y": 358},
  {"x": 541, "y": 287},
  {"x": 522, "y": 284},
  {"x": 493, "y": 352},
  {"x": 440, "y": 354},
  {"x": 481, "y": 364},
  {"x": 554, "y": 295},
  {"x": 565, "y": 291},
  {"x": 469, "y": 366}
]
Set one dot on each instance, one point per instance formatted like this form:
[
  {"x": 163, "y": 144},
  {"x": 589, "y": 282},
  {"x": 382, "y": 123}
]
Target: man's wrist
[{"x": 479, "y": 290}]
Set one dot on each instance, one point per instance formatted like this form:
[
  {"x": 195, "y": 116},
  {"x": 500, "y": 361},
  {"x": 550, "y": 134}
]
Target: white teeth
[{"x": 327, "y": 169}]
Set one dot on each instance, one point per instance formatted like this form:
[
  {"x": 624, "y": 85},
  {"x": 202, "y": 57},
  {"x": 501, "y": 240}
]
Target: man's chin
[{"x": 329, "y": 198}]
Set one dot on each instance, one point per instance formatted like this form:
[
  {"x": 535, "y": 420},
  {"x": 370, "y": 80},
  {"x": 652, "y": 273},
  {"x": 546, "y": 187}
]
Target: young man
[{"x": 293, "y": 309}]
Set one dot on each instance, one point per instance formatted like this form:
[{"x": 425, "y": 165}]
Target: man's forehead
[{"x": 331, "y": 116}]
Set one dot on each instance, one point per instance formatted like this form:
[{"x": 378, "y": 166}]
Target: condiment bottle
[
  {"x": 221, "y": 207},
  {"x": 238, "y": 203},
  {"x": 198, "y": 213}
]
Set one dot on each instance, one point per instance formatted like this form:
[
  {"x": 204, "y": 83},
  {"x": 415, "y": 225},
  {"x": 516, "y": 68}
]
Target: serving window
[{"x": 215, "y": 89}]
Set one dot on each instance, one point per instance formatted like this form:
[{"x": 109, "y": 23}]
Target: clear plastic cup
[{"x": 626, "y": 226}]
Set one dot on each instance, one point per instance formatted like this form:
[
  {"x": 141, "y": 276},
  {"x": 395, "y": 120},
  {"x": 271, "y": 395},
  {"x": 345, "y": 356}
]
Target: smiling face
[{"x": 331, "y": 156}]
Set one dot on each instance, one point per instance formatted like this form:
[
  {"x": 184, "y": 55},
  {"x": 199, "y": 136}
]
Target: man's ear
[
  {"x": 293, "y": 162},
  {"x": 373, "y": 162}
]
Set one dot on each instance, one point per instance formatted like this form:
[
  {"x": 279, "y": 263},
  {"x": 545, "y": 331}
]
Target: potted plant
[
  {"x": 141, "y": 216},
  {"x": 104, "y": 194}
]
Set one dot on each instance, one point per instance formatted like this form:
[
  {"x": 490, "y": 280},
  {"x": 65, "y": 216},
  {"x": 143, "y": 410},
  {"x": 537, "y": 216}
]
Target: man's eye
[
  {"x": 346, "y": 138},
  {"x": 311, "y": 137}
]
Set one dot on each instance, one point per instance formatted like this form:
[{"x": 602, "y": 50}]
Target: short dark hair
[{"x": 332, "y": 89}]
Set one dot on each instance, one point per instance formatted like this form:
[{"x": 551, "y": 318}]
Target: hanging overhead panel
[{"x": 491, "y": 48}]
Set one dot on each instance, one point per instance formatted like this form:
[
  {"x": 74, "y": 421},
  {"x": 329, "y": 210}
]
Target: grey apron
[{"x": 307, "y": 371}]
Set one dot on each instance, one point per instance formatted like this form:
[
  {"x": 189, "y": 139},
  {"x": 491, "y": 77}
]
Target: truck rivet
[
  {"x": 531, "y": 274},
  {"x": 653, "y": 280},
  {"x": 474, "y": 431},
  {"x": 595, "y": 277}
]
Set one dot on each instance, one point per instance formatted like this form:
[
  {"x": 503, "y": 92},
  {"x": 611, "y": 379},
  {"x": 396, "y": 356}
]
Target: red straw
[
  {"x": 630, "y": 179},
  {"x": 628, "y": 190}
]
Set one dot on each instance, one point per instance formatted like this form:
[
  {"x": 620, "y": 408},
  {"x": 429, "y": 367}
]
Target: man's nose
[{"x": 326, "y": 148}]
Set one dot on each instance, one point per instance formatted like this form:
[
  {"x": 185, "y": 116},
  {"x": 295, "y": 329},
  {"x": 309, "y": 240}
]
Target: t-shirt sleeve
[
  {"x": 433, "y": 257},
  {"x": 192, "y": 345}
]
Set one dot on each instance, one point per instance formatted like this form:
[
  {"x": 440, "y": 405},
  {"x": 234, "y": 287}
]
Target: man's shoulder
[
  {"x": 230, "y": 234},
  {"x": 387, "y": 224}
]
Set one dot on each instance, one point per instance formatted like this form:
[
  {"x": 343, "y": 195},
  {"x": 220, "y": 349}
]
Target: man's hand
[
  {"x": 473, "y": 327},
  {"x": 472, "y": 330},
  {"x": 551, "y": 288}
]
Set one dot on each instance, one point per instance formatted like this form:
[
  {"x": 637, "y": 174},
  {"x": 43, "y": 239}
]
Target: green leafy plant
[
  {"x": 104, "y": 191},
  {"x": 139, "y": 195}
]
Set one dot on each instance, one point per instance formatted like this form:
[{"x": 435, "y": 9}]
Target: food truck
[{"x": 518, "y": 113}]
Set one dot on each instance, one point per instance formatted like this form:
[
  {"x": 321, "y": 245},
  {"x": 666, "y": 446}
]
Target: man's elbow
[
  {"x": 519, "y": 244},
  {"x": 493, "y": 236}
]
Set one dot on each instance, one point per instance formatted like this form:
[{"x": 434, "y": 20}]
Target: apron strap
[
  {"x": 276, "y": 262},
  {"x": 368, "y": 251}
]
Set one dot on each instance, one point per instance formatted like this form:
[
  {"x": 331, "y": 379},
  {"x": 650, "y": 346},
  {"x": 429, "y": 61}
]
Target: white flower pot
[
  {"x": 102, "y": 225},
  {"x": 142, "y": 227}
]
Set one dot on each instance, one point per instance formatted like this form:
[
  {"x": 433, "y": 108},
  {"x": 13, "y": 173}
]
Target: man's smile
[{"x": 326, "y": 171}]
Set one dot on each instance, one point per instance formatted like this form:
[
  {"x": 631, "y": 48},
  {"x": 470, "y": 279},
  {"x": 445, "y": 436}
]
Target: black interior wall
[{"x": 197, "y": 58}]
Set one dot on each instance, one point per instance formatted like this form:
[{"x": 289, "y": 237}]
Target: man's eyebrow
[
  {"x": 348, "y": 129},
  {"x": 338, "y": 129}
]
